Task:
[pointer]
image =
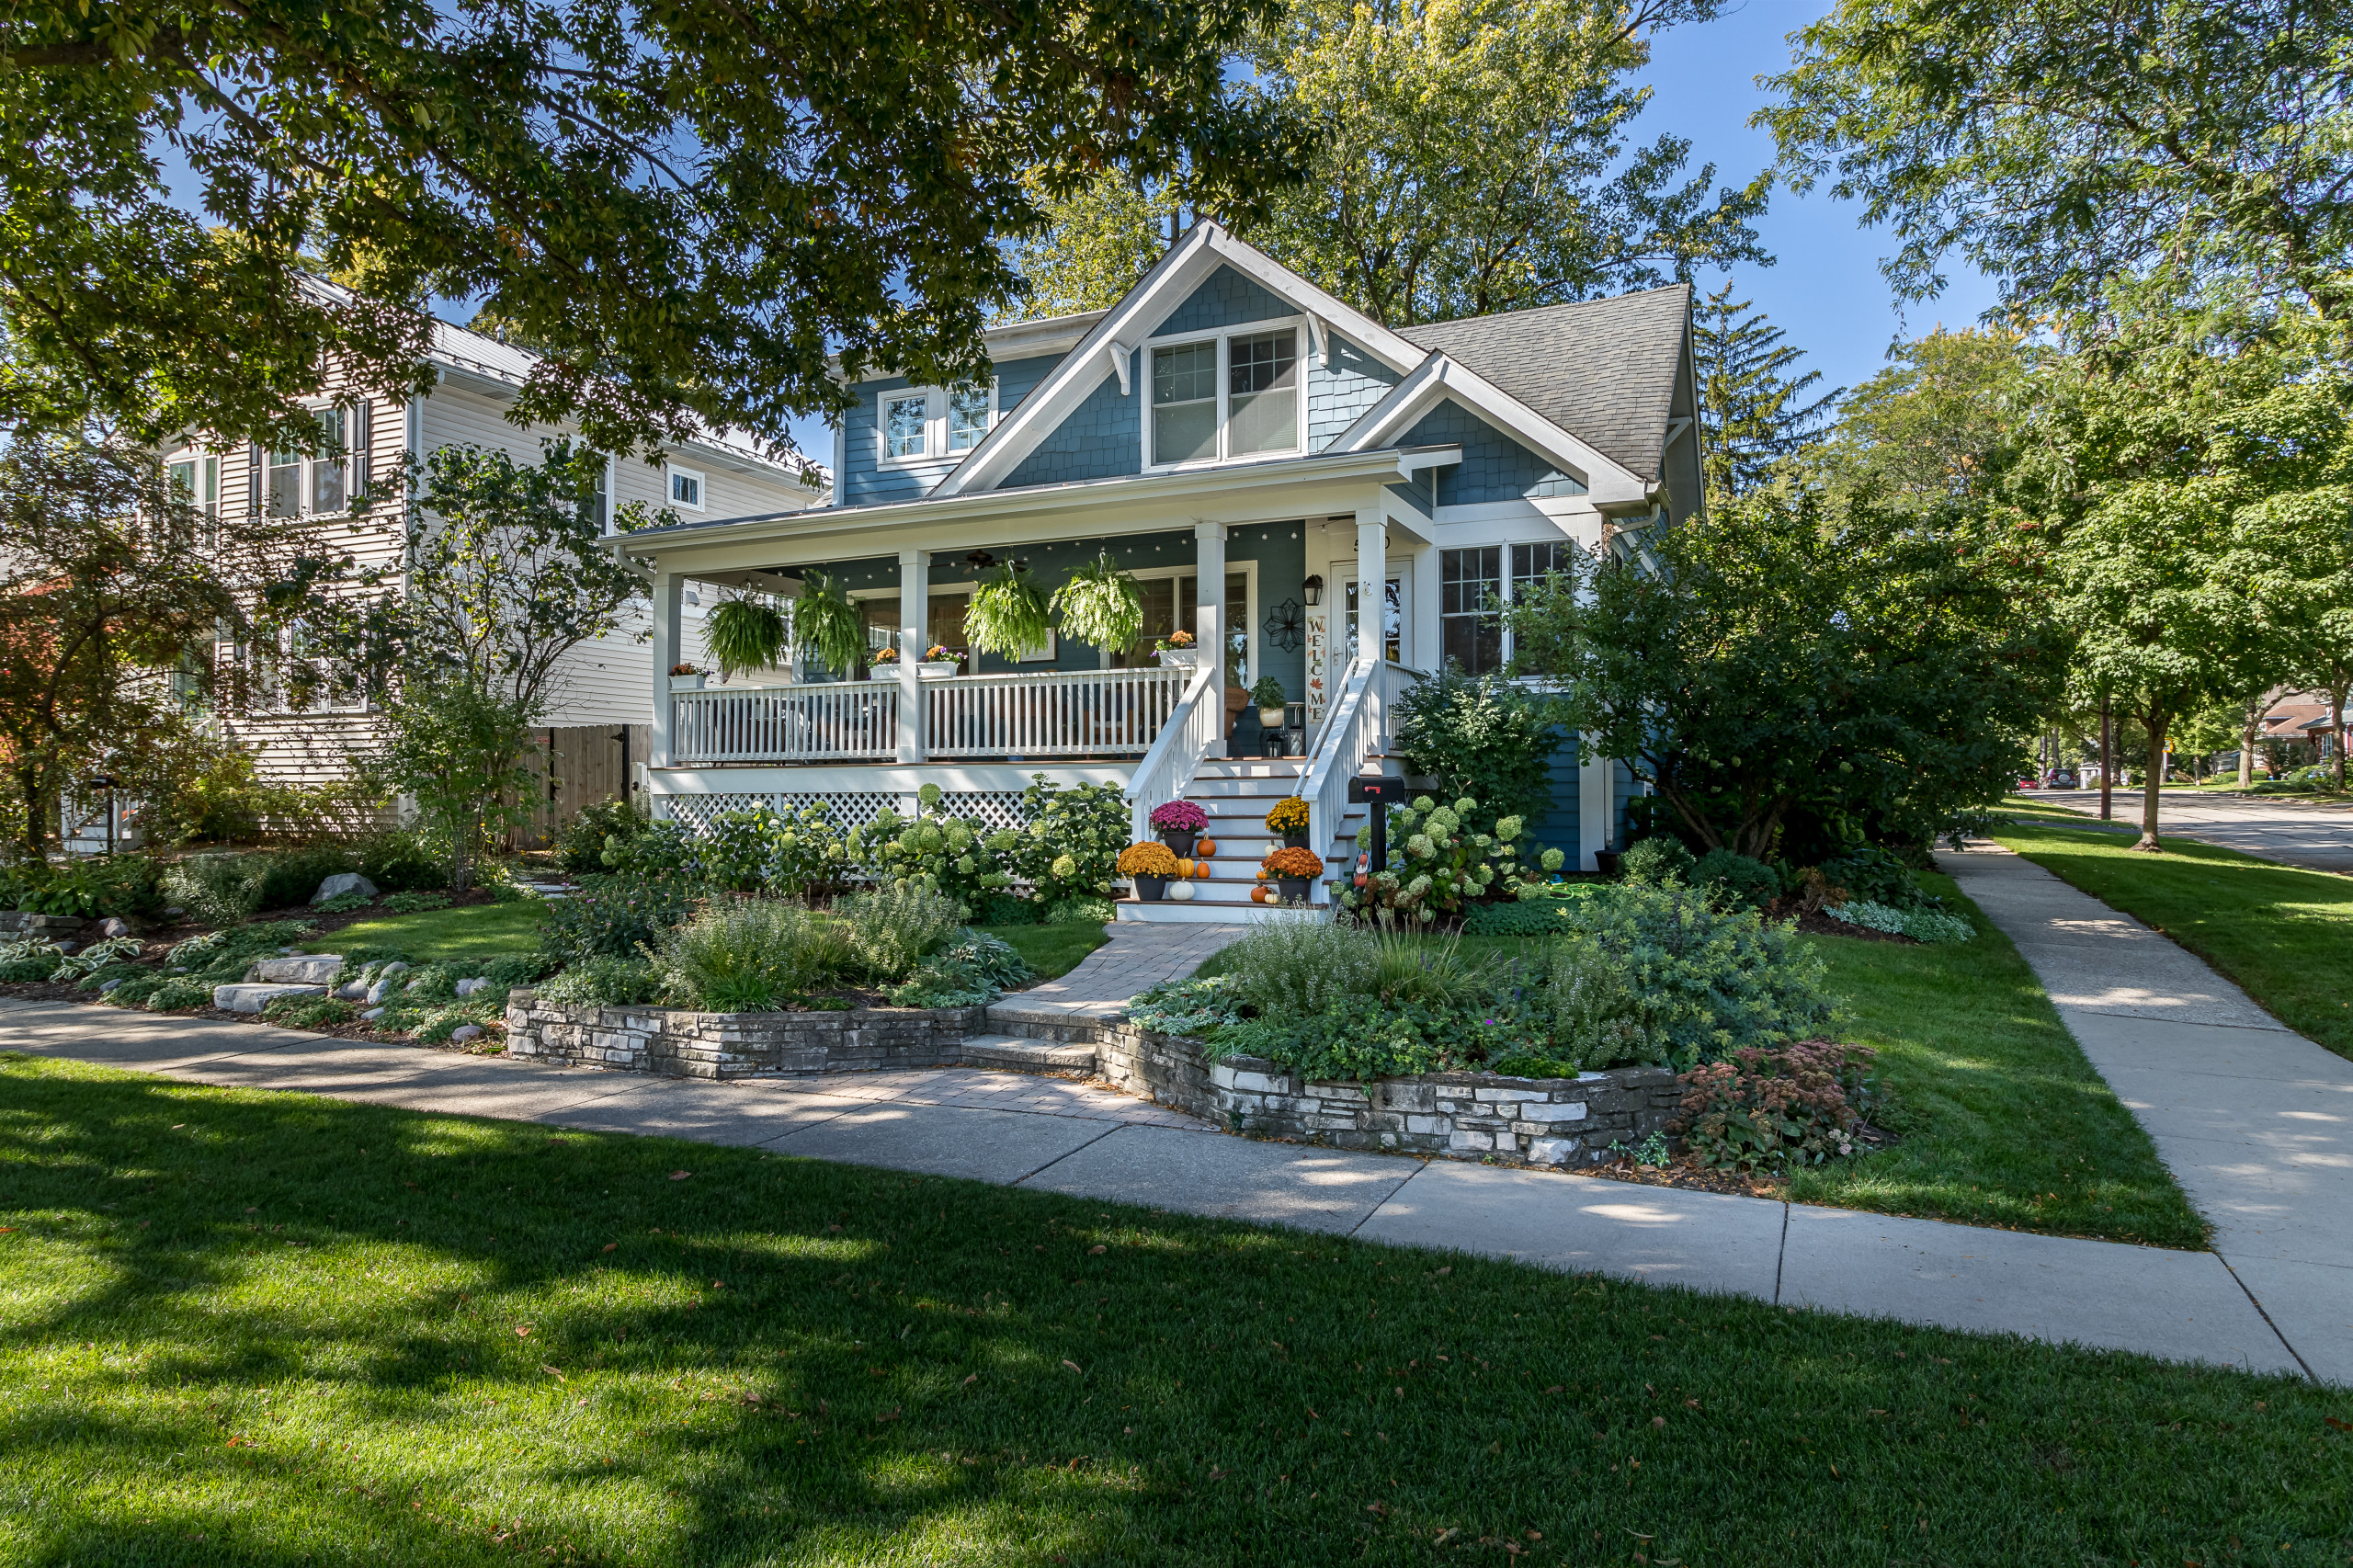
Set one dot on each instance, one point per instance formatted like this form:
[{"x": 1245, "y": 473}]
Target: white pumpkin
[{"x": 1180, "y": 892}]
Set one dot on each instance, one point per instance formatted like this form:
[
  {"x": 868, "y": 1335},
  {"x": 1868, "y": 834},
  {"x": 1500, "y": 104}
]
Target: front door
[{"x": 1392, "y": 619}]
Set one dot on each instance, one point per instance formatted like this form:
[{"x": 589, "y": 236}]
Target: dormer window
[
  {"x": 932, "y": 424},
  {"x": 906, "y": 422},
  {"x": 1226, "y": 397},
  {"x": 686, "y": 489},
  {"x": 968, "y": 417}
]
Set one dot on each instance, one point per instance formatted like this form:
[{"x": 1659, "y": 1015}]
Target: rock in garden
[
  {"x": 253, "y": 998},
  {"x": 341, "y": 883},
  {"x": 466, "y": 1031},
  {"x": 109, "y": 986},
  {"x": 384, "y": 978},
  {"x": 372, "y": 1014},
  {"x": 111, "y": 926},
  {"x": 468, "y": 987},
  {"x": 353, "y": 991},
  {"x": 315, "y": 969}
]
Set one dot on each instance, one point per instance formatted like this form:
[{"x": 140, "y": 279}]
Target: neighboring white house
[
  {"x": 604, "y": 682},
  {"x": 1264, "y": 458}
]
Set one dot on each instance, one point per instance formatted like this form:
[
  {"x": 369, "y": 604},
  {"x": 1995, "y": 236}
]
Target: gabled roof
[{"x": 1625, "y": 354}]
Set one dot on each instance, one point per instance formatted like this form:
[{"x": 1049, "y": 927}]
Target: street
[{"x": 2293, "y": 831}]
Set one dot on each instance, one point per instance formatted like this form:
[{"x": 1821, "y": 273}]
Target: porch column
[
  {"x": 1208, "y": 613},
  {"x": 914, "y": 633},
  {"x": 1372, "y": 585},
  {"x": 669, "y": 613},
  {"x": 1594, "y": 822}
]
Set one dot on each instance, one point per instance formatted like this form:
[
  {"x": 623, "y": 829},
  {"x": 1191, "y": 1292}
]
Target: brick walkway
[{"x": 1135, "y": 959}]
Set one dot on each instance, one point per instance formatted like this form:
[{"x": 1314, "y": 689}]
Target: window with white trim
[
  {"x": 686, "y": 489},
  {"x": 1234, "y": 396},
  {"x": 317, "y": 483},
  {"x": 906, "y": 421},
  {"x": 967, "y": 416},
  {"x": 929, "y": 424}
]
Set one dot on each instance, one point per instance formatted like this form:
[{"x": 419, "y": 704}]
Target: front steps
[
  {"x": 1016, "y": 1054},
  {"x": 1237, "y": 793}
]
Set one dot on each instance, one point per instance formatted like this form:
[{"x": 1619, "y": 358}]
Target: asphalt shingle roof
[{"x": 1602, "y": 370}]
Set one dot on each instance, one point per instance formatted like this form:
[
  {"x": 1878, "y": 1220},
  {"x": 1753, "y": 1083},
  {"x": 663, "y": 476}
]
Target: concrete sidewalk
[
  {"x": 1071, "y": 1138},
  {"x": 2254, "y": 1120}
]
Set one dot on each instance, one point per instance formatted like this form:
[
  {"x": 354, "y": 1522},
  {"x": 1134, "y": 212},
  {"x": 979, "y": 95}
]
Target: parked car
[
  {"x": 2029, "y": 781},
  {"x": 2061, "y": 778}
]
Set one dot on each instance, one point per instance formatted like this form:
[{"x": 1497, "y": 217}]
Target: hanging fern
[
  {"x": 743, "y": 634},
  {"x": 1009, "y": 615},
  {"x": 1100, "y": 604},
  {"x": 828, "y": 627}
]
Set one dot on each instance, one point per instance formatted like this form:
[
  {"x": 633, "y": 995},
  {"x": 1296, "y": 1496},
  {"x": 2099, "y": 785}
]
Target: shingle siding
[
  {"x": 1557, "y": 825},
  {"x": 1225, "y": 297},
  {"x": 1494, "y": 466},
  {"x": 1340, "y": 396},
  {"x": 1101, "y": 439}
]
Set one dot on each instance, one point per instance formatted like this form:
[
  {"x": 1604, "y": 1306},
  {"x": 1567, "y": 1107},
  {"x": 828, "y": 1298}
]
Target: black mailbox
[{"x": 1363, "y": 790}]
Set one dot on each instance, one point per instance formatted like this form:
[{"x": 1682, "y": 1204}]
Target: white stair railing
[
  {"x": 1360, "y": 723},
  {"x": 1188, "y": 737}
]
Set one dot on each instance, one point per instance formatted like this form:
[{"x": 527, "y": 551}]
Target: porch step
[
  {"x": 1014, "y": 1055},
  {"x": 1202, "y": 912}
]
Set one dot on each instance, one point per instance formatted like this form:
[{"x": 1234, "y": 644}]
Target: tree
[
  {"x": 113, "y": 589},
  {"x": 457, "y": 748},
  {"x": 1098, "y": 240},
  {"x": 1938, "y": 428},
  {"x": 1793, "y": 675},
  {"x": 690, "y": 208},
  {"x": 2060, "y": 144},
  {"x": 1750, "y": 409},
  {"x": 1471, "y": 156}
]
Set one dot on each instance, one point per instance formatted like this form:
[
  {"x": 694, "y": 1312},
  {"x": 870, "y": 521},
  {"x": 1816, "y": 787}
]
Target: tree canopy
[
  {"x": 685, "y": 206},
  {"x": 2058, "y": 145},
  {"x": 1753, "y": 412}
]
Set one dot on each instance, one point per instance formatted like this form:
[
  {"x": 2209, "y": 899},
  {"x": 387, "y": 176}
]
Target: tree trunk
[
  {"x": 2157, "y": 721},
  {"x": 2246, "y": 743},
  {"x": 2107, "y": 758}
]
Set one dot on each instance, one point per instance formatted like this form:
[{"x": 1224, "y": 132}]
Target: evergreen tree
[{"x": 1752, "y": 412}]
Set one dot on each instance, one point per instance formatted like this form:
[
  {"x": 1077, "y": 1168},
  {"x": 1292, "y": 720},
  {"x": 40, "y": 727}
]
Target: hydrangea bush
[
  {"x": 960, "y": 856},
  {"x": 1071, "y": 841},
  {"x": 1440, "y": 859}
]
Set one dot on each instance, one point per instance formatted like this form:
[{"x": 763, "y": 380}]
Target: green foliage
[
  {"x": 309, "y": 1012},
  {"x": 1187, "y": 1006},
  {"x": 580, "y": 843},
  {"x": 751, "y": 955},
  {"x": 1926, "y": 926},
  {"x": 1542, "y": 916},
  {"x": 343, "y": 903},
  {"x": 1439, "y": 860},
  {"x": 1704, "y": 981},
  {"x": 613, "y": 916},
  {"x": 129, "y": 885},
  {"x": 1081, "y": 912},
  {"x": 1004, "y": 909},
  {"x": 893, "y": 926},
  {"x": 795, "y": 852},
  {"x": 457, "y": 748},
  {"x": 1791, "y": 673},
  {"x": 602, "y": 983},
  {"x": 1939, "y": 427},
  {"x": 29, "y": 959},
  {"x": 650, "y": 849},
  {"x": 1871, "y": 872},
  {"x": 828, "y": 627},
  {"x": 1739, "y": 881},
  {"x": 972, "y": 971},
  {"x": 1657, "y": 860},
  {"x": 416, "y": 903},
  {"x": 1070, "y": 842},
  {"x": 289, "y": 877},
  {"x": 743, "y": 634},
  {"x": 192, "y": 968},
  {"x": 1750, "y": 409},
  {"x": 1768, "y": 1108},
  {"x": 399, "y": 860},
  {"x": 961, "y": 858},
  {"x": 1008, "y": 614},
  {"x": 1099, "y": 605},
  {"x": 218, "y": 890},
  {"x": 1266, "y": 692},
  {"x": 1481, "y": 736},
  {"x": 1291, "y": 968}
]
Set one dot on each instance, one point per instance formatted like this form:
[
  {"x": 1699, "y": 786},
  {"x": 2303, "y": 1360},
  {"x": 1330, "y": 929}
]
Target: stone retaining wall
[{"x": 681, "y": 1044}]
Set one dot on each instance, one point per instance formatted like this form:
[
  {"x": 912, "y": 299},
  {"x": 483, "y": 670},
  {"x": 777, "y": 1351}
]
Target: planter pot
[
  {"x": 936, "y": 669},
  {"x": 1294, "y": 840},
  {"x": 1152, "y": 889},
  {"x": 687, "y": 683},
  {"x": 1180, "y": 844},
  {"x": 1180, "y": 658},
  {"x": 1606, "y": 862},
  {"x": 1293, "y": 888},
  {"x": 1270, "y": 718}
]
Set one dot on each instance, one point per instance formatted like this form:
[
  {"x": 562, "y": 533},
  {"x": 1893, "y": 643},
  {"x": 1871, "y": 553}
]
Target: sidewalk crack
[{"x": 2284, "y": 1343}]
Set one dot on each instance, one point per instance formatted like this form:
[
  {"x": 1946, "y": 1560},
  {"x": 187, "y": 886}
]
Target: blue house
[{"x": 1269, "y": 464}]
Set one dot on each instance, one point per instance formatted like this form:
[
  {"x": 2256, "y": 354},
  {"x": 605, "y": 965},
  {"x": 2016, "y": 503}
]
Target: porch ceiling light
[{"x": 1312, "y": 590}]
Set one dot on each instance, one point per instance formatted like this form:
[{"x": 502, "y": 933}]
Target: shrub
[
  {"x": 398, "y": 860},
  {"x": 1593, "y": 1017},
  {"x": 1179, "y": 816},
  {"x": 309, "y": 1012},
  {"x": 1071, "y": 839},
  {"x": 580, "y": 843},
  {"x": 1295, "y": 967},
  {"x": 125, "y": 885},
  {"x": 750, "y": 955},
  {"x": 1876, "y": 874},
  {"x": 1768, "y": 1108},
  {"x": 656, "y": 848},
  {"x": 970, "y": 972},
  {"x": 1483, "y": 737},
  {"x": 1081, "y": 912},
  {"x": 894, "y": 926},
  {"x": 960, "y": 857},
  {"x": 416, "y": 903},
  {"x": 218, "y": 890},
  {"x": 1657, "y": 860},
  {"x": 1439, "y": 860},
  {"x": 1739, "y": 882},
  {"x": 602, "y": 983},
  {"x": 27, "y": 960},
  {"x": 290, "y": 877},
  {"x": 1004, "y": 909},
  {"x": 1536, "y": 912},
  {"x": 1151, "y": 858},
  {"x": 1290, "y": 815},
  {"x": 1707, "y": 982},
  {"x": 796, "y": 851},
  {"x": 613, "y": 916},
  {"x": 1921, "y": 924}
]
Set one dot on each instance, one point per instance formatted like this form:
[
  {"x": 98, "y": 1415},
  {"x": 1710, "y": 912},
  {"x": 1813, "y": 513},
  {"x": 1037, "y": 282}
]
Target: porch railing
[
  {"x": 1179, "y": 748},
  {"x": 1361, "y": 722},
  {"x": 1061, "y": 714},
  {"x": 1053, "y": 713},
  {"x": 851, "y": 721}
]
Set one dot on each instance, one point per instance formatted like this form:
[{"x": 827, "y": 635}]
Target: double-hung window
[
  {"x": 686, "y": 489},
  {"x": 317, "y": 482},
  {"x": 906, "y": 422},
  {"x": 1469, "y": 590},
  {"x": 1234, "y": 396},
  {"x": 968, "y": 417}
]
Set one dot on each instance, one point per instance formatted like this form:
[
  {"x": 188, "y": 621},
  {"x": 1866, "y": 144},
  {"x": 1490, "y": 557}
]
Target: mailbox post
[{"x": 1377, "y": 792}]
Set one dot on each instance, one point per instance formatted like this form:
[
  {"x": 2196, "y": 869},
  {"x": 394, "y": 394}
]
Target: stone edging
[{"x": 681, "y": 1044}]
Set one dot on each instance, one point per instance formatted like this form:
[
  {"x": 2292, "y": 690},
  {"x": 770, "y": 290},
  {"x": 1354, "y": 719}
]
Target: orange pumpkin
[
  {"x": 1205, "y": 848},
  {"x": 1202, "y": 869},
  {"x": 1257, "y": 895}
]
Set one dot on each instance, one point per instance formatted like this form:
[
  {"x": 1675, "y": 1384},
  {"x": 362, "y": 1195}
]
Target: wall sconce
[{"x": 1312, "y": 590}]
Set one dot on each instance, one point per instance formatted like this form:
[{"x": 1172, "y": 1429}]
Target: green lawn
[
  {"x": 2284, "y": 934},
  {"x": 1050, "y": 950},
  {"x": 474, "y": 931},
  {"x": 240, "y": 1327},
  {"x": 2005, "y": 1122}
]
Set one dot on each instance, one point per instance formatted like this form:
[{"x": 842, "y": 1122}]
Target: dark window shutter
[
  {"x": 363, "y": 447},
  {"x": 253, "y": 461}
]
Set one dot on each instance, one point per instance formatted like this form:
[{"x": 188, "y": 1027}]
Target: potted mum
[
  {"x": 1292, "y": 869},
  {"x": 1287, "y": 822},
  {"x": 886, "y": 661},
  {"x": 1150, "y": 866},
  {"x": 938, "y": 660},
  {"x": 1177, "y": 648},
  {"x": 1180, "y": 823}
]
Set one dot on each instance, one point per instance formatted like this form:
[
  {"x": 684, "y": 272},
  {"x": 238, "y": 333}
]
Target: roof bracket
[
  {"x": 1320, "y": 335},
  {"x": 1118, "y": 352}
]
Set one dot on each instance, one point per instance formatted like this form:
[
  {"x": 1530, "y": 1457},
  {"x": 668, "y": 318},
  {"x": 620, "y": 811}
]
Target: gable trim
[{"x": 1439, "y": 377}]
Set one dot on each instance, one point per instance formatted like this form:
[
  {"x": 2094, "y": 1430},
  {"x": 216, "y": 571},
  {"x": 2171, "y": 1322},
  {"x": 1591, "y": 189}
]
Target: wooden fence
[{"x": 580, "y": 765}]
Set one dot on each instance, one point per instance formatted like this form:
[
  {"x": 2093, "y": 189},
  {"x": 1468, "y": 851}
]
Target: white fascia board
[
  {"x": 1040, "y": 513},
  {"x": 1330, "y": 311},
  {"x": 1081, "y": 372},
  {"x": 1438, "y": 377}
]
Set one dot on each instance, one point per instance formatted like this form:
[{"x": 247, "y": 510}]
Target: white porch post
[
  {"x": 1594, "y": 823},
  {"x": 1372, "y": 587},
  {"x": 669, "y": 612},
  {"x": 914, "y": 630},
  {"x": 1208, "y": 613}
]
